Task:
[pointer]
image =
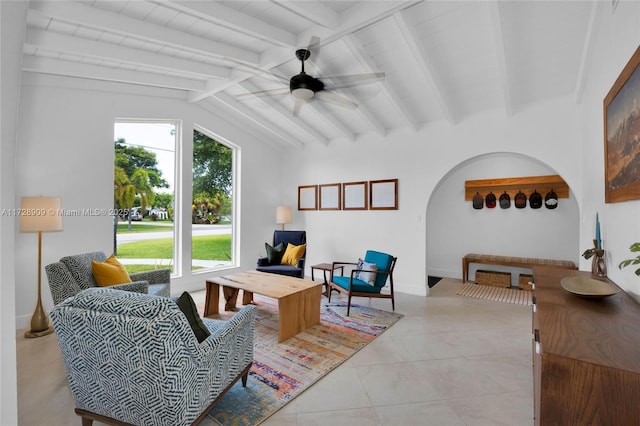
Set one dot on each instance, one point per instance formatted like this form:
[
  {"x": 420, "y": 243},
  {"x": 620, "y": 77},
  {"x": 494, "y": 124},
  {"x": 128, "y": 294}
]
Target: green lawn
[
  {"x": 206, "y": 247},
  {"x": 123, "y": 227}
]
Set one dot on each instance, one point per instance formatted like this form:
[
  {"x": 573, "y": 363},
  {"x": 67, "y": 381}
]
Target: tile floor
[{"x": 451, "y": 360}]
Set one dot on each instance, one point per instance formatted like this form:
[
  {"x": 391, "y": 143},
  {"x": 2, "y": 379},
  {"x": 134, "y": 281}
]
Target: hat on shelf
[
  {"x": 478, "y": 201},
  {"x": 535, "y": 200},
  {"x": 505, "y": 201},
  {"x": 551, "y": 200},
  {"x": 520, "y": 200},
  {"x": 490, "y": 201}
]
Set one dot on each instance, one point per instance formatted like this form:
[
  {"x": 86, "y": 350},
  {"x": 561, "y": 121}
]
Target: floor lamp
[
  {"x": 40, "y": 214},
  {"x": 283, "y": 215}
]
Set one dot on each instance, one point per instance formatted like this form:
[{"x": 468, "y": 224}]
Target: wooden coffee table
[{"x": 298, "y": 299}]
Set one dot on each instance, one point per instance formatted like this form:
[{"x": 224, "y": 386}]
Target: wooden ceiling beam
[
  {"x": 61, "y": 43},
  {"x": 106, "y": 73},
  {"x": 91, "y": 17}
]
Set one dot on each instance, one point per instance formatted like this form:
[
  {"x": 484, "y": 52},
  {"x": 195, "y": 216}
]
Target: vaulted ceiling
[{"x": 442, "y": 60}]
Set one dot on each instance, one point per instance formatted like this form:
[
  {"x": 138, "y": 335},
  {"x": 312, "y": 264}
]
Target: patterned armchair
[
  {"x": 134, "y": 358},
  {"x": 72, "y": 274}
]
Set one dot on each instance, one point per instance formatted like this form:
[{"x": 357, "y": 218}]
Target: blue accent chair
[
  {"x": 351, "y": 285},
  {"x": 133, "y": 358},
  {"x": 294, "y": 237}
]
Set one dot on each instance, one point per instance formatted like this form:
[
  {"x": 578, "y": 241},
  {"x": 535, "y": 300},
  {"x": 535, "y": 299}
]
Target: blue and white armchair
[
  {"x": 72, "y": 274},
  {"x": 134, "y": 359}
]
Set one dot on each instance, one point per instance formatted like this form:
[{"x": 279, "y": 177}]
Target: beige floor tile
[
  {"x": 356, "y": 417},
  {"x": 437, "y": 413},
  {"x": 334, "y": 392},
  {"x": 496, "y": 410}
]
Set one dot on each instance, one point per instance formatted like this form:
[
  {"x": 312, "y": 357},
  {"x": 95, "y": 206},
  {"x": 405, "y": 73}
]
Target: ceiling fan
[{"x": 305, "y": 88}]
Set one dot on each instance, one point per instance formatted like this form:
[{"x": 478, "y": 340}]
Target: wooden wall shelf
[{"x": 527, "y": 185}]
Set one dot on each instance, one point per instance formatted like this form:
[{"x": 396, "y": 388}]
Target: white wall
[
  {"x": 12, "y": 29},
  {"x": 617, "y": 38},
  {"x": 545, "y": 133},
  {"x": 66, "y": 148}
]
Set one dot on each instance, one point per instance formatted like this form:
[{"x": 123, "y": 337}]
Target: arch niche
[{"x": 454, "y": 228}]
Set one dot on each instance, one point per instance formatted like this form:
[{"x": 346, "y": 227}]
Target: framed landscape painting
[{"x": 622, "y": 135}]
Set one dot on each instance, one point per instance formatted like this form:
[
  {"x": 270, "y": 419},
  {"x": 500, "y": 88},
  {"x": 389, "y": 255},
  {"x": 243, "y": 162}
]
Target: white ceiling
[{"x": 443, "y": 60}]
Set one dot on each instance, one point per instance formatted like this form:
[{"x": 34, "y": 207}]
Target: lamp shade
[
  {"x": 283, "y": 215},
  {"x": 40, "y": 214}
]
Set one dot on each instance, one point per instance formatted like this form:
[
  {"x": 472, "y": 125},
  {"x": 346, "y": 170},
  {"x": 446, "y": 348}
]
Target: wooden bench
[{"x": 520, "y": 262}]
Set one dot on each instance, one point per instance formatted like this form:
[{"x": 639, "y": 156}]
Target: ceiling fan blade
[
  {"x": 314, "y": 45},
  {"x": 342, "y": 81},
  {"x": 260, "y": 72},
  {"x": 271, "y": 92},
  {"x": 297, "y": 106},
  {"x": 335, "y": 99}
]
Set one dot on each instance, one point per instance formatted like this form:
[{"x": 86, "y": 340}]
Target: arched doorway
[{"x": 454, "y": 228}]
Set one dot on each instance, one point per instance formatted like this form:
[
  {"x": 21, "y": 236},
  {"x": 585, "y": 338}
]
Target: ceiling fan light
[{"x": 302, "y": 93}]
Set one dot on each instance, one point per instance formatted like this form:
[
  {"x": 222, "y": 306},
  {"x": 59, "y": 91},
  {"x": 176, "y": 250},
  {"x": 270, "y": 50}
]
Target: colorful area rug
[
  {"x": 281, "y": 371},
  {"x": 499, "y": 294}
]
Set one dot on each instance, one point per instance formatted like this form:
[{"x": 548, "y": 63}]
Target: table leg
[
  {"x": 298, "y": 312},
  {"x": 326, "y": 284},
  {"x": 212, "y": 298},
  {"x": 465, "y": 270},
  {"x": 247, "y": 297},
  {"x": 230, "y": 298}
]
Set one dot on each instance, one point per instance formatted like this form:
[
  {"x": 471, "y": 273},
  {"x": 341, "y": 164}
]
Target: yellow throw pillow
[
  {"x": 110, "y": 272},
  {"x": 292, "y": 254}
]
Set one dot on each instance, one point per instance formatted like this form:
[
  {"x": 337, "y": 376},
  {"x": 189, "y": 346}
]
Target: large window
[
  {"x": 144, "y": 189},
  {"x": 147, "y": 183},
  {"x": 212, "y": 206}
]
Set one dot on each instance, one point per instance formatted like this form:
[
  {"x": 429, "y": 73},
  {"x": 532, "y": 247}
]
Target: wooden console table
[{"x": 586, "y": 354}]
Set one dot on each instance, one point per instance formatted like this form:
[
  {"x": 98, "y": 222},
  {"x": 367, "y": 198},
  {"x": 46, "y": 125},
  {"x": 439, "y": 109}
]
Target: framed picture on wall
[
  {"x": 354, "y": 196},
  {"x": 621, "y": 125},
  {"x": 308, "y": 197},
  {"x": 383, "y": 194},
  {"x": 330, "y": 196}
]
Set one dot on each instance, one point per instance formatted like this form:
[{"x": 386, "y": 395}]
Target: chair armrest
[
  {"x": 263, "y": 261},
  {"x": 135, "y": 286},
  {"x": 235, "y": 333},
  {"x": 156, "y": 276},
  {"x": 335, "y": 265}
]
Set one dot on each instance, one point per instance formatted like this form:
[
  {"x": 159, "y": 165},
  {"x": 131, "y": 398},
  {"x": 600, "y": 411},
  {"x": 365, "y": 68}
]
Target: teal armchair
[{"x": 366, "y": 279}]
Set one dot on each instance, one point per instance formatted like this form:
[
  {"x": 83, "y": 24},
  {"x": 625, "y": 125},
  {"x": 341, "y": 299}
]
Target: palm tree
[
  {"x": 143, "y": 189},
  {"x": 123, "y": 197},
  {"x": 125, "y": 190}
]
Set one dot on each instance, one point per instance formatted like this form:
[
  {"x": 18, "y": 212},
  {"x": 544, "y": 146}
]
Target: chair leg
[
  {"x": 244, "y": 380},
  {"x": 329, "y": 292},
  {"x": 348, "y": 304}
]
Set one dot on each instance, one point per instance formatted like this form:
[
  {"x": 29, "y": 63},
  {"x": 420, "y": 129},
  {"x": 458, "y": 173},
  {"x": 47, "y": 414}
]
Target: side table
[{"x": 324, "y": 267}]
